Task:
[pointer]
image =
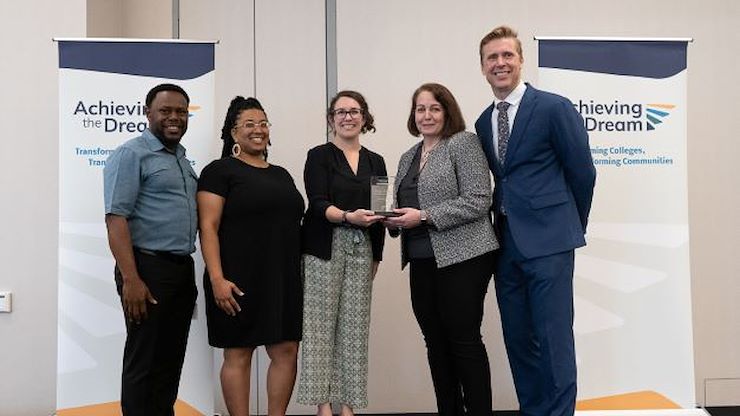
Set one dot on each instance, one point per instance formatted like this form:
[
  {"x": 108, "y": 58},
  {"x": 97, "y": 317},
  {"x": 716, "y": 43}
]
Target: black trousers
[
  {"x": 155, "y": 348},
  {"x": 448, "y": 305}
]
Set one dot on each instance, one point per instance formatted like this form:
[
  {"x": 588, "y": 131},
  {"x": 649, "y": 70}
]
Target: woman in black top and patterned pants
[{"x": 342, "y": 245}]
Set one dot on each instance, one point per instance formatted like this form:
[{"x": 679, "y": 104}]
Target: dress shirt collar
[
  {"x": 156, "y": 145},
  {"x": 514, "y": 97}
]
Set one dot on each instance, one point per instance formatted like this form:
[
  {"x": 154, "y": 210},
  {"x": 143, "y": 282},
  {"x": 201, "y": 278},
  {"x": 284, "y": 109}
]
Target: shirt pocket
[{"x": 164, "y": 175}]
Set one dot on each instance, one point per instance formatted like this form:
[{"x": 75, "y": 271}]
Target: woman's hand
[
  {"x": 409, "y": 218},
  {"x": 363, "y": 218},
  {"x": 223, "y": 293}
]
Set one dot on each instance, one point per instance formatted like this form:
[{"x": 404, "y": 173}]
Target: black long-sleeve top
[{"x": 330, "y": 181}]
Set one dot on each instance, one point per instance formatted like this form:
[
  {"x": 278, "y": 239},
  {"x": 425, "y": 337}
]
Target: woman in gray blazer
[{"x": 443, "y": 191}]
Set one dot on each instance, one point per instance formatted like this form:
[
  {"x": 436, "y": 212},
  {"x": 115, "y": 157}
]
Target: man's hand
[{"x": 135, "y": 297}]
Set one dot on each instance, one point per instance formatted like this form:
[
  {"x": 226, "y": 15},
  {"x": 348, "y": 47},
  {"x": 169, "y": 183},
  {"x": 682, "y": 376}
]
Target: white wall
[
  {"x": 105, "y": 18},
  {"x": 147, "y": 19},
  {"x": 386, "y": 48},
  {"x": 29, "y": 208}
]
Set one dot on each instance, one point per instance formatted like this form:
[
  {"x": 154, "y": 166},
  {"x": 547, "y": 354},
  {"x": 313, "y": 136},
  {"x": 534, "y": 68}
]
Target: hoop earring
[{"x": 236, "y": 150}]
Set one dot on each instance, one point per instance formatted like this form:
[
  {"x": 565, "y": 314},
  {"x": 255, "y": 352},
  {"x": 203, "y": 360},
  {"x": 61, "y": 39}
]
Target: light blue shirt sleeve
[{"x": 121, "y": 181}]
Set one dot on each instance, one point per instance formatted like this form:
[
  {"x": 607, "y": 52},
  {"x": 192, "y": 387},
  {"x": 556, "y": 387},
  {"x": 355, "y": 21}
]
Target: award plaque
[{"x": 381, "y": 195}]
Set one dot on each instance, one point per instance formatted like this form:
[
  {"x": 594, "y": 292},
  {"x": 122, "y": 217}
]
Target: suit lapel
[
  {"x": 523, "y": 115},
  {"x": 485, "y": 128}
]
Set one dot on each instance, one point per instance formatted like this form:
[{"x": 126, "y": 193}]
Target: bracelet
[{"x": 344, "y": 217}]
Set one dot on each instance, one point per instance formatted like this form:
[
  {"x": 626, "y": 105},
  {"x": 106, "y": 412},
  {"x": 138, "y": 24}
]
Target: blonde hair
[{"x": 501, "y": 32}]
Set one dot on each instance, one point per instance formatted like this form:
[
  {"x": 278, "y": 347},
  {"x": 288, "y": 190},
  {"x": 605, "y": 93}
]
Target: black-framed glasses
[
  {"x": 341, "y": 113},
  {"x": 253, "y": 125}
]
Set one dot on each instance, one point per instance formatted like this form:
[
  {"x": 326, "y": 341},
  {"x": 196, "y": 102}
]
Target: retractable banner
[
  {"x": 632, "y": 288},
  {"x": 102, "y": 89}
]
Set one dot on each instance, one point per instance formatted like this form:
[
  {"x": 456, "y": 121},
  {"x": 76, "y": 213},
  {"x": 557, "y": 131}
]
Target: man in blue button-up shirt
[{"x": 151, "y": 218}]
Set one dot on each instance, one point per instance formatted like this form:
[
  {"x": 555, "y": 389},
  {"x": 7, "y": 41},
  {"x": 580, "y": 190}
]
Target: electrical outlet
[{"x": 6, "y": 301}]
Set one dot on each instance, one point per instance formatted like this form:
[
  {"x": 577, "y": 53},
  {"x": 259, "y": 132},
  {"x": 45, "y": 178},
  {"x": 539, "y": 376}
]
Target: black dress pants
[
  {"x": 155, "y": 348},
  {"x": 448, "y": 305}
]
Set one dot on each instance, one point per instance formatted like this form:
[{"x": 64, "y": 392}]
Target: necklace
[{"x": 425, "y": 154}]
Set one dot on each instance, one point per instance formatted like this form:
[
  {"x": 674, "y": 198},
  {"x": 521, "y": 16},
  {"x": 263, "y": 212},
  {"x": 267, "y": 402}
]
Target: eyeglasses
[
  {"x": 253, "y": 125},
  {"x": 341, "y": 113}
]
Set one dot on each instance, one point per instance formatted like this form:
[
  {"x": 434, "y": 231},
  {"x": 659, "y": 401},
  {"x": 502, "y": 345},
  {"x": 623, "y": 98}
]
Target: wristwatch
[{"x": 423, "y": 216}]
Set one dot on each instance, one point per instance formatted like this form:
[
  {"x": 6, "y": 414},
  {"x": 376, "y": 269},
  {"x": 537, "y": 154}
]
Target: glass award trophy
[{"x": 381, "y": 195}]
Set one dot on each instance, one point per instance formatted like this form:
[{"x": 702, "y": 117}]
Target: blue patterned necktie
[{"x": 503, "y": 130}]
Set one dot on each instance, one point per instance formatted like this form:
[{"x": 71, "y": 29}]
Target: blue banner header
[
  {"x": 649, "y": 59},
  {"x": 173, "y": 60}
]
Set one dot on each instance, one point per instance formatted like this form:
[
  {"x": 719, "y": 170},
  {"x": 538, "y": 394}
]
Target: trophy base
[{"x": 388, "y": 213}]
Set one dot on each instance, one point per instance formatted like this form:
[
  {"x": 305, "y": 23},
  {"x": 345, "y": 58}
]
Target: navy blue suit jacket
[{"x": 546, "y": 184}]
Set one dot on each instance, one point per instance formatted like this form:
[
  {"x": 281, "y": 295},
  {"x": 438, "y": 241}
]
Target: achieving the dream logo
[
  {"x": 655, "y": 114},
  {"x": 620, "y": 116},
  {"x": 116, "y": 117}
]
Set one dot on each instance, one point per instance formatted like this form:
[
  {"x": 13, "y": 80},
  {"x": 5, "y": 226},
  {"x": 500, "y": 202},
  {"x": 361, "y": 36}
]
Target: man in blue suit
[{"x": 537, "y": 148}]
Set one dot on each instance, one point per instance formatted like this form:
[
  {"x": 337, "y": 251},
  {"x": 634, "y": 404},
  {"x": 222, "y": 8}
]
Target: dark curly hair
[
  {"x": 238, "y": 104},
  {"x": 369, "y": 120}
]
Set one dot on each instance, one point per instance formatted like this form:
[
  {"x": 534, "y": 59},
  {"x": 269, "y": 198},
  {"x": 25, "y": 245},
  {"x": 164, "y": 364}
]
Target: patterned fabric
[
  {"x": 503, "y": 129},
  {"x": 455, "y": 191},
  {"x": 336, "y": 322}
]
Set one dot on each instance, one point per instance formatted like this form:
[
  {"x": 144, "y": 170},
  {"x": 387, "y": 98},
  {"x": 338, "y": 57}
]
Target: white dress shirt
[{"x": 514, "y": 98}]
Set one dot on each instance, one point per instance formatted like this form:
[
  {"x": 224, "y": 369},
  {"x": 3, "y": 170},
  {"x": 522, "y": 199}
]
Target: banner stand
[
  {"x": 102, "y": 89},
  {"x": 632, "y": 286}
]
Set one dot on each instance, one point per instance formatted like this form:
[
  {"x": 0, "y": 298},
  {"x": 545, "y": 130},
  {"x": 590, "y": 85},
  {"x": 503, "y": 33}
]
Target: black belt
[{"x": 166, "y": 255}]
